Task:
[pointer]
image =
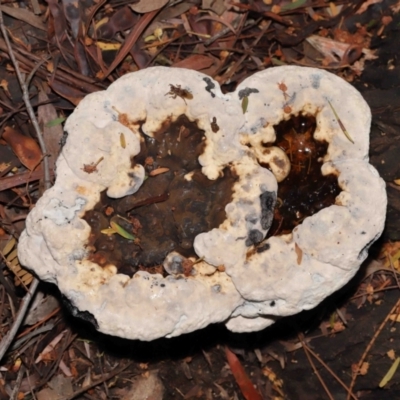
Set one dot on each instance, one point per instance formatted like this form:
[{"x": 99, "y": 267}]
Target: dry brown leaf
[
  {"x": 122, "y": 20},
  {"x": 61, "y": 385},
  {"x": 41, "y": 307},
  {"x": 218, "y": 6},
  {"x": 50, "y": 347},
  {"x": 52, "y": 135},
  {"x": 48, "y": 394},
  {"x": 196, "y": 62},
  {"x": 67, "y": 92},
  {"x": 245, "y": 384},
  {"x": 23, "y": 14},
  {"x": 25, "y": 148},
  {"x": 145, "y": 6}
]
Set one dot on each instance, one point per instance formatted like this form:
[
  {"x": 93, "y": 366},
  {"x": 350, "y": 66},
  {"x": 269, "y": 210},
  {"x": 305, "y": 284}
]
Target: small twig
[
  {"x": 15, "y": 392},
  {"x": 34, "y": 70},
  {"x": 305, "y": 347},
  {"x": 330, "y": 371},
  {"x": 7, "y": 340}
]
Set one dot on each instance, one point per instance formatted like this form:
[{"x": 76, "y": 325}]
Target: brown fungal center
[
  {"x": 175, "y": 203},
  {"x": 305, "y": 190}
]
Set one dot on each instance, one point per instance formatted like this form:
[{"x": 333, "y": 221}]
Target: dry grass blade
[
  {"x": 304, "y": 344},
  {"x": 389, "y": 375},
  {"x": 306, "y": 350}
]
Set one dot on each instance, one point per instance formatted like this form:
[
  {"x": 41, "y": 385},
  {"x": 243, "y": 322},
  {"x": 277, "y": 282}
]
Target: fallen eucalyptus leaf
[{"x": 145, "y": 6}]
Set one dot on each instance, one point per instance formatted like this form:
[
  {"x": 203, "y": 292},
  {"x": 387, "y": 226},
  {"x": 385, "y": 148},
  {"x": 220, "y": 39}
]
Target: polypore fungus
[{"x": 176, "y": 206}]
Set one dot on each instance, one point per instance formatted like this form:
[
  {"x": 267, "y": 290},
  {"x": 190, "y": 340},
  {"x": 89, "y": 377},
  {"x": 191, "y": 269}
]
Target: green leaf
[
  {"x": 55, "y": 122},
  {"x": 293, "y": 6},
  {"x": 121, "y": 231},
  {"x": 108, "y": 231},
  {"x": 276, "y": 61},
  {"x": 245, "y": 104}
]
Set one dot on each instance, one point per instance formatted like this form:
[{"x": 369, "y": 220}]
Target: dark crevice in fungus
[
  {"x": 174, "y": 204},
  {"x": 83, "y": 315},
  {"x": 305, "y": 190}
]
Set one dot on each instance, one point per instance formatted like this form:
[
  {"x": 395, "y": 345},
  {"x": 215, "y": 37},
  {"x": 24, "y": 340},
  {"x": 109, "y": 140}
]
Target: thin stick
[
  {"x": 25, "y": 96},
  {"x": 14, "y": 394},
  {"x": 314, "y": 368},
  {"x": 8, "y": 339},
  {"x": 330, "y": 371},
  {"x": 370, "y": 344}
]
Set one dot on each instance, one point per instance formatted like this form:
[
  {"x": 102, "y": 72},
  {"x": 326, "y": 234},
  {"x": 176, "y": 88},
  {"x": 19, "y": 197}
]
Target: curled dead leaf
[
  {"x": 67, "y": 92},
  {"x": 25, "y": 148},
  {"x": 196, "y": 62}
]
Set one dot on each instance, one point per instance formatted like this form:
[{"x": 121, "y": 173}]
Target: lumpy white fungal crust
[{"x": 240, "y": 278}]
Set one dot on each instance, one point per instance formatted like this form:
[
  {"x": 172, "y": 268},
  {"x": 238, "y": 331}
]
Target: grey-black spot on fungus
[
  {"x": 251, "y": 218},
  {"x": 216, "y": 288},
  {"x": 246, "y": 92},
  {"x": 255, "y": 236},
  {"x": 267, "y": 200},
  {"x": 263, "y": 247},
  {"x": 210, "y": 86},
  {"x": 272, "y": 304}
]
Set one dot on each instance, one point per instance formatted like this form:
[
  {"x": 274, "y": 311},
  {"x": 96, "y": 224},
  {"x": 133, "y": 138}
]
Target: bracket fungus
[{"x": 177, "y": 206}]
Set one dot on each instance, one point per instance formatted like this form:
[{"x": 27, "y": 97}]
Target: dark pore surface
[
  {"x": 168, "y": 211},
  {"x": 305, "y": 190}
]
